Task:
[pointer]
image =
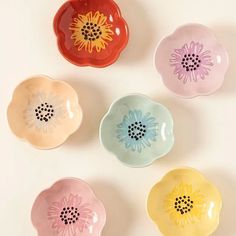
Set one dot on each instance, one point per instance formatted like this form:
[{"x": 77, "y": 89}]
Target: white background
[{"x": 205, "y": 127}]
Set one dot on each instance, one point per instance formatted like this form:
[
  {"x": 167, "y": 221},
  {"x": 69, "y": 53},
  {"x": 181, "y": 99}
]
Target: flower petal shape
[
  {"x": 191, "y": 61},
  {"x": 68, "y": 208},
  {"x": 90, "y": 32},
  {"x": 43, "y": 111},
  {"x": 137, "y": 130},
  {"x": 184, "y": 203}
]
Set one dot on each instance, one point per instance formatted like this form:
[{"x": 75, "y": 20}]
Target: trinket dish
[
  {"x": 90, "y": 32},
  {"x": 68, "y": 208},
  {"x": 184, "y": 203},
  {"x": 191, "y": 61},
  {"x": 43, "y": 111},
  {"x": 137, "y": 130}
]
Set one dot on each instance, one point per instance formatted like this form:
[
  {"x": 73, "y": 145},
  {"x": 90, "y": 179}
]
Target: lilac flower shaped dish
[
  {"x": 191, "y": 61},
  {"x": 68, "y": 208},
  {"x": 137, "y": 130}
]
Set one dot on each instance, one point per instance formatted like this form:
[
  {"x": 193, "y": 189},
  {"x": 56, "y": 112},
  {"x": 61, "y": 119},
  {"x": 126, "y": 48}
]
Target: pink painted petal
[
  {"x": 64, "y": 201},
  {"x": 199, "y": 48},
  {"x": 185, "y": 49},
  {"x": 192, "y": 48},
  {"x": 175, "y": 58},
  {"x": 185, "y": 79},
  {"x": 68, "y": 193},
  {"x": 180, "y": 76},
  {"x": 206, "y": 76},
  {"x": 77, "y": 201},
  {"x": 179, "y": 52},
  {"x": 178, "y": 69}
]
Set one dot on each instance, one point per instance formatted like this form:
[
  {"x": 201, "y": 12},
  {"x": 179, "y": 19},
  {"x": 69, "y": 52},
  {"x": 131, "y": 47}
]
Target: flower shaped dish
[
  {"x": 191, "y": 61},
  {"x": 137, "y": 130},
  {"x": 184, "y": 203},
  {"x": 68, "y": 208},
  {"x": 90, "y": 32},
  {"x": 44, "y": 112}
]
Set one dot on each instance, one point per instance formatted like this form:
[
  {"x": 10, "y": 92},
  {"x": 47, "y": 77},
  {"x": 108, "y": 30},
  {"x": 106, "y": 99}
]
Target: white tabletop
[{"x": 205, "y": 127}]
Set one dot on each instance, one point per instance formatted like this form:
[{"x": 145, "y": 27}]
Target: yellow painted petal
[
  {"x": 81, "y": 45},
  {"x": 96, "y": 17},
  {"x": 94, "y": 25},
  {"x": 102, "y": 19},
  {"x": 89, "y": 47},
  {"x": 81, "y": 19},
  {"x": 203, "y": 218},
  {"x": 89, "y": 16},
  {"x": 100, "y": 45}
]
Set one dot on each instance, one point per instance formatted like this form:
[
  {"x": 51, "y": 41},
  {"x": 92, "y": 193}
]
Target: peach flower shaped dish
[
  {"x": 185, "y": 203},
  {"x": 43, "y": 111},
  {"x": 191, "y": 61},
  {"x": 68, "y": 208}
]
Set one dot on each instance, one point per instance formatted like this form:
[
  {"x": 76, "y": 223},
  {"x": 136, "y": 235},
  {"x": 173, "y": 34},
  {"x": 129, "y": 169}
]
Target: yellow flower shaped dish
[{"x": 184, "y": 203}]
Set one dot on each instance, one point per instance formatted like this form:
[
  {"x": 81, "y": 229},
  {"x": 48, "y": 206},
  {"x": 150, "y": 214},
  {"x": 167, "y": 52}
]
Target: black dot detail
[
  {"x": 183, "y": 204},
  {"x": 137, "y": 130},
  {"x": 43, "y": 112},
  {"x": 91, "y": 31},
  {"x": 190, "y": 62},
  {"x": 69, "y": 215}
]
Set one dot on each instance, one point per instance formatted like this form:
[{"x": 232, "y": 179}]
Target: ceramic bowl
[
  {"x": 137, "y": 130},
  {"x": 191, "y": 61},
  {"x": 43, "y": 111},
  {"x": 90, "y": 32},
  {"x": 68, "y": 208},
  {"x": 184, "y": 203}
]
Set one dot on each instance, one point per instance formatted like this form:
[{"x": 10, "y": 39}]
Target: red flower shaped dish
[{"x": 90, "y": 32}]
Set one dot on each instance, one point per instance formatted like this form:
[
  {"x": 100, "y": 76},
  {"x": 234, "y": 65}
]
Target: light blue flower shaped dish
[{"x": 137, "y": 130}]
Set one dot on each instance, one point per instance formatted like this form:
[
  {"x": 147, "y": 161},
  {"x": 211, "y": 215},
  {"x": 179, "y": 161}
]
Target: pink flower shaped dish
[
  {"x": 68, "y": 208},
  {"x": 43, "y": 111},
  {"x": 191, "y": 61}
]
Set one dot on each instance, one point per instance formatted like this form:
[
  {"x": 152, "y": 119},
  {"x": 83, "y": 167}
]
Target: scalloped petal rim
[
  {"x": 69, "y": 207},
  {"x": 191, "y": 61},
  {"x": 44, "y": 112},
  {"x": 157, "y": 137}
]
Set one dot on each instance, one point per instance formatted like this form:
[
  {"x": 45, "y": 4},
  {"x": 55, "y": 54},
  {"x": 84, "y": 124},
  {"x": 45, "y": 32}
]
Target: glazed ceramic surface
[
  {"x": 137, "y": 130},
  {"x": 191, "y": 61},
  {"x": 184, "y": 203},
  {"x": 90, "y": 32},
  {"x": 44, "y": 112},
  {"x": 68, "y": 208}
]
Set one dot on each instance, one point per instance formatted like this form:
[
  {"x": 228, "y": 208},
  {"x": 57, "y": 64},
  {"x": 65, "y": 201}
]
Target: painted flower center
[
  {"x": 44, "y": 112},
  {"x": 136, "y": 130},
  {"x": 91, "y": 32},
  {"x": 69, "y": 215},
  {"x": 191, "y": 62},
  {"x": 183, "y": 204}
]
